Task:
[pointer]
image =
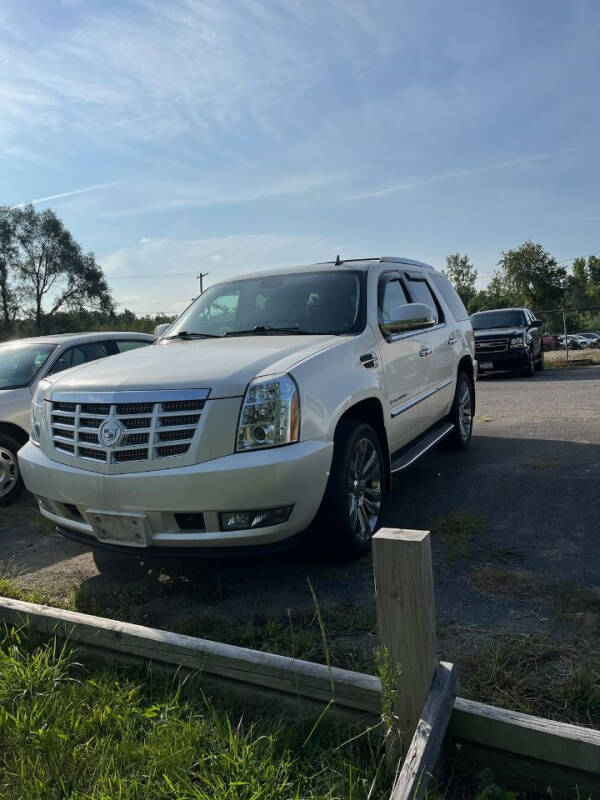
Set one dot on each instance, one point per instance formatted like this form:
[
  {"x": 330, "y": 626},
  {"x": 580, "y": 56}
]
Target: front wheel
[
  {"x": 540, "y": 364},
  {"x": 529, "y": 370},
  {"x": 352, "y": 506},
  {"x": 11, "y": 482}
]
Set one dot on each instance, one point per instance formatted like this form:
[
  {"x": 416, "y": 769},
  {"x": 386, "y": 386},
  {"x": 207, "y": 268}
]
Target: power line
[{"x": 141, "y": 275}]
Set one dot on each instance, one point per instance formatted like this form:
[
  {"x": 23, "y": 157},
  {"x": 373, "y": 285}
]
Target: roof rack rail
[{"x": 382, "y": 259}]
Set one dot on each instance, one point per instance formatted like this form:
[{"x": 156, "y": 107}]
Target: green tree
[
  {"x": 8, "y": 297},
  {"x": 594, "y": 269},
  {"x": 529, "y": 276},
  {"x": 53, "y": 272},
  {"x": 462, "y": 274}
]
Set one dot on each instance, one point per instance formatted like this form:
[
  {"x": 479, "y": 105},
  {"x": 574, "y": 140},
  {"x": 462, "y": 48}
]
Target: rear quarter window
[{"x": 450, "y": 295}]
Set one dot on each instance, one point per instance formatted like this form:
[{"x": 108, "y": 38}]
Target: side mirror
[
  {"x": 410, "y": 317},
  {"x": 161, "y": 329},
  {"x": 537, "y": 323}
]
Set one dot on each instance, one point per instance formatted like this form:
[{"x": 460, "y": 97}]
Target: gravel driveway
[{"x": 515, "y": 524}]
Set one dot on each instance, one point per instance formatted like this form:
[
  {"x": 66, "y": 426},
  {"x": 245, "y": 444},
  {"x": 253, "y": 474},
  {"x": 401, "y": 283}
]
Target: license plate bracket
[
  {"x": 111, "y": 527},
  {"x": 486, "y": 365}
]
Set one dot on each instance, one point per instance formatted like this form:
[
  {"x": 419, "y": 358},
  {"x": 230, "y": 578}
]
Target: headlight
[
  {"x": 270, "y": 413},
  {"x": 519, "y": 341},
  {"x": 37, "y": 411}
]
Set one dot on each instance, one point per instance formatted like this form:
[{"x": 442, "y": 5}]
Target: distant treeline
[
  {"x": 75, "y": 321},
  {"x": 529, "y": 276}
]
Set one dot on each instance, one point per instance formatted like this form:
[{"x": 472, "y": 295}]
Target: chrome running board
[{"x": 405, "y": 457}]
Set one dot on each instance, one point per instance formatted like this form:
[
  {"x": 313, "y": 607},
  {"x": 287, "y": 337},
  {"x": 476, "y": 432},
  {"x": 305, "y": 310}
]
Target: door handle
[
  {"x": 425, "y": 351},
  {"x": 452, "y": 340}
]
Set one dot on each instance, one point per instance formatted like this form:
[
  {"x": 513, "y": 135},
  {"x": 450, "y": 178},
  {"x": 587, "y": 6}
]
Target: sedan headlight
[
  {"x": 270, "y": 414},
  {"x": 37, "y": 412},
  {"x": 519, "y": 341}
]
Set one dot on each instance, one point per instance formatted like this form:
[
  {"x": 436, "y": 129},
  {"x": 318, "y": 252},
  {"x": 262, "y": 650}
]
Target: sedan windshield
[
  {"x": 498, "y": 319},
  {"x": 20, "y": 363},
  {"x": 294, "y": 303}
]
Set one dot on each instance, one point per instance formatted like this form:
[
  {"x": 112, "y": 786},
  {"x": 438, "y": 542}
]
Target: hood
[
  {"x": 501, "y": 333},
  {"x": 225, "y": 366}
]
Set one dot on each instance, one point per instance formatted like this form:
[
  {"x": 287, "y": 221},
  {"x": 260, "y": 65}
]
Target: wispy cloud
[
  {"x": 223, "y": 189},
  {"x": 159, "y": 274},
  {"x": 66, "y": 194},
  {"x": 415, "y": 184}
]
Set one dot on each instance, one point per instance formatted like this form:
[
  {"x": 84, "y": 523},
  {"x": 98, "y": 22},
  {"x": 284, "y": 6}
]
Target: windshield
[
  {"x": 498, "y": 319},
  {"x": 19, "y": 363},
  {"x": 302, "y": 303}
]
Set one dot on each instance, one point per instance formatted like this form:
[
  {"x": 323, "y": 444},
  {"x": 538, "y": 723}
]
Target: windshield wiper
[
  {"x": 266, "y": 329},
  {"x": 188, "y": 335}
]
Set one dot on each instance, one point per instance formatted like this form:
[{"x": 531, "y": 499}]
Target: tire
[
  {"x": 540, "y": 363},
  {"x": 11, "y": 482},
  {"x": 351, "y": 509},
  {"x": 529, "y": 370},
  {"x": 461, "y": 414}
]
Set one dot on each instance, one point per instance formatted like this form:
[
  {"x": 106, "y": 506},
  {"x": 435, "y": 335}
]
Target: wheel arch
[
  {"x": 370, "y": 411},
  {"x": 10, "y": 429}
]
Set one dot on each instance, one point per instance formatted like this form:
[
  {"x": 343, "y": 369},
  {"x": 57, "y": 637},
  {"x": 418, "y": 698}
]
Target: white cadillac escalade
[{"x": 279, "y": 402}]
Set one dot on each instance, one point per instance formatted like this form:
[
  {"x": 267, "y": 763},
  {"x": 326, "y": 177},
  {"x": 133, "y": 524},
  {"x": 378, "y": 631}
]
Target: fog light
[{"x": 244, "y": 520}]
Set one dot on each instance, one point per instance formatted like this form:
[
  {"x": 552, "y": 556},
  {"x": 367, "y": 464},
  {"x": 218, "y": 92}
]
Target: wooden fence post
[{"x": 406, "y": 623}]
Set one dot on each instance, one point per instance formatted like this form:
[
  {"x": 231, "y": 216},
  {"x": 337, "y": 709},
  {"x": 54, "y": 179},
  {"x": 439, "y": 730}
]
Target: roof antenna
[{"x": 337, "y": 261}]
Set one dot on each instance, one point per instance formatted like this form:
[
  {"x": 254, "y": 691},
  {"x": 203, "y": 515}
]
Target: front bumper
[
  {"x": 505, "y": 360},
  {"x": 295, "y": 475}
]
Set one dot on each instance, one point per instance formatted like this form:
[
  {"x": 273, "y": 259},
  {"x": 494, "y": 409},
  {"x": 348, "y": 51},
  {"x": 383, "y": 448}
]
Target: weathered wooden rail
[{"x": 424, "y": 705}]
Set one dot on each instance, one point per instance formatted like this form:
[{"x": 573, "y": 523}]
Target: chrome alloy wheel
[
  {"x": 364, "y": 489},
  {"x": 9, "y": 471},
  {"x": 465, "y": 409}
]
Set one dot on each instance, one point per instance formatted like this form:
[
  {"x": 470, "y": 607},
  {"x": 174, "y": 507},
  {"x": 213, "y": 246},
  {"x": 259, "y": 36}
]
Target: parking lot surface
[{"x": 515, "y": 523}]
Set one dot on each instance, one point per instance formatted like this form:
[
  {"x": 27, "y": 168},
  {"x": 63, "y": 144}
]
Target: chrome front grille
[
  {"x": 491, "y": 345},
  {"x": 129, "y": 426}
]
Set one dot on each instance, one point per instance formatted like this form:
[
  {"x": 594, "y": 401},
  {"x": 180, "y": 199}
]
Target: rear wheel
[
  {"x": 11, "y": 483},
  {"x": 352, "y": 506},
  {"x": 461, "y": 413}
]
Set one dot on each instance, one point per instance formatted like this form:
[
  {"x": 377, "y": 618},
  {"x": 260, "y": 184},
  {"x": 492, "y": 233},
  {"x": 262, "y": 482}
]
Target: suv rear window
[{"x": 451, "y": 298}]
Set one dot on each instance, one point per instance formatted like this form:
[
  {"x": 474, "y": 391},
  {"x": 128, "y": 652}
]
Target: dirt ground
[{"x": 515, "y": 523}]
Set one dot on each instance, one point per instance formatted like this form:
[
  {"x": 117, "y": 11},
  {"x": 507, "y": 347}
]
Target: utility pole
[
  {"x": 566, "y": 339},
  {"x": 201, "y": 279}
]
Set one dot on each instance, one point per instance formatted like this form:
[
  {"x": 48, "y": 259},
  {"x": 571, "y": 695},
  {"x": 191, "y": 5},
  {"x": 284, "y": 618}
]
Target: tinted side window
[
  {"x": 421, "y": 293},
  {"x": 80, "y": 354},
  {"x": 124, "y": 345},
  {"x": 451, "y": 298},
  {"x": 393, "y": 297}
]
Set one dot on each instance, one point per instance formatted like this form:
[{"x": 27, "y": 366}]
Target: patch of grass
[
  {"x": 90, "y": 732},
  {"x": 577, "y": 358},
  {"x": 456, "y": 529},
  {"x": 543, "y": 465},
  {"x": 351, "y": 640},
  {"x": 8, "y": 588},
  {"x": 534, "y": 674}
]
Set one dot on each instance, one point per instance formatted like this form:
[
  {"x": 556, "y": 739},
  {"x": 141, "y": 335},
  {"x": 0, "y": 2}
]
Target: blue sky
[{"x": 222, "y": 136}]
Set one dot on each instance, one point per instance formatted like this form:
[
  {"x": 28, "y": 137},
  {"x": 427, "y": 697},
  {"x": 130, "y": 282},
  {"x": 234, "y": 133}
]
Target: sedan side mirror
[
  {"x": 410, "y": 317},
  {"x": 537, "y": 323},
  {"x": 161, "y": 329}
]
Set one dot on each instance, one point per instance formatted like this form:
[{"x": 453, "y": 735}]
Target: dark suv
[{"x": 508, "y": 339}]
